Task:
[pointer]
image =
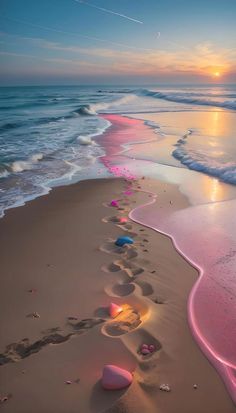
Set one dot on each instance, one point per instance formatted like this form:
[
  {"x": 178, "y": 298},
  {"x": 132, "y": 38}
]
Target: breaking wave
[
  {"x": 191, "y": 98},
  {"x": 85, "y": 110},
  {"x": 20, "y": 166},
  {"x": 198, "y": 162},
  {"x": 85, "y": 140}
]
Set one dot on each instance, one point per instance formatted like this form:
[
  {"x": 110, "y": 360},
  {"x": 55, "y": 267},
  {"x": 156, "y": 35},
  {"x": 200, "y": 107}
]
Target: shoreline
[{"x": 47, "y": 245}]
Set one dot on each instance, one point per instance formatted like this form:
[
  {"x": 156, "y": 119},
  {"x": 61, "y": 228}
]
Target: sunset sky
[{"x": 117, "y": 41}]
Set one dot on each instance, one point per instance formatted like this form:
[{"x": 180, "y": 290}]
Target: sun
[{"x": 216, "y": 74}]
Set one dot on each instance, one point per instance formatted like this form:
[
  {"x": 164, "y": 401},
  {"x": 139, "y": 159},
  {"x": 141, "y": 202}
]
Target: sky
[{"x": 126, "y": 42}]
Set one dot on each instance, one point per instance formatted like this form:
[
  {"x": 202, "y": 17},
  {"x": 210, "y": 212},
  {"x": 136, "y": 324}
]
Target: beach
[
  {"x": 117, "y": 206},
  {"x": 61, "y": 269}
]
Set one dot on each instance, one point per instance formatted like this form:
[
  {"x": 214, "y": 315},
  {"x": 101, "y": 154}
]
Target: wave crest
[
  {"x": 188, "y": 98},
  {"x": 85, "y": 140},
  {"x": 20, "y": 166},
  {"x": 196, "y": 162},
  {"x": 85, "y": 110}
]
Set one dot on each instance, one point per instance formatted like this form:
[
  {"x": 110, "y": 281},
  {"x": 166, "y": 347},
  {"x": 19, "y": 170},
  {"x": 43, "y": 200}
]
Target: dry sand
[{"x": 59, "y": 272}]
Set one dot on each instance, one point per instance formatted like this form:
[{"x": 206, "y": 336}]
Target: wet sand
[{"x": 60, "y": 270}]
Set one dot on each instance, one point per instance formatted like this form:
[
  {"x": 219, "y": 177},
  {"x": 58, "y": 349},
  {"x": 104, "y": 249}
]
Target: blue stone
[{"x": 123, "y": 240}]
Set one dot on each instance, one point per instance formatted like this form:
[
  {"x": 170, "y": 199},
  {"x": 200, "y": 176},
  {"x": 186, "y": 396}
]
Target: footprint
[
  {"x": 126, "y": 321},
  {"x": 135, "y": 341},
  {"x": 18, "y": 351},
  {"x": 120, "y": 290},
  {"x": 145, "y": 287},
  {"x": 131, "y": 253},
  {"x": 110, "y": 267},
  {"x": 126, "y": 227},
  {"x": 131, "y": 269},
  {"x": 111, "y": 248}
]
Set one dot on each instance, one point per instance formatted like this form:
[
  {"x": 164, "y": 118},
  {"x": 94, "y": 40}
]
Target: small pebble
[
  {"x": 165, "y": 387},
  {"x": 33, "y": 315},
  {"x": 3, "y": 399},
  {"x": 195, "y": 386},
  {"x": 68, "y": 382}
]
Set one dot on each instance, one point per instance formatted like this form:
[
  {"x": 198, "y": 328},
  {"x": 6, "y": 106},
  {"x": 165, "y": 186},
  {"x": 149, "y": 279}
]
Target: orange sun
[{"x": 216, "y": 74}]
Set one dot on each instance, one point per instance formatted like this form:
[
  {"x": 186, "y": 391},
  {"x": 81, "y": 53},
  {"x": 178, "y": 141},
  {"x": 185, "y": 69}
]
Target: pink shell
[
  {"x": 114, "y": 203},
  {"x": 151, "y": 348},
  {"x": 144, "y": 346},
  {"x": 115, "y": 378}
]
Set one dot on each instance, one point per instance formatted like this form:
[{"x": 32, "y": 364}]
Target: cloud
[{"x": 201, "y": 61}]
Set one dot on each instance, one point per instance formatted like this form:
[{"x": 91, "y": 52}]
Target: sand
[{"x": 60, "y": 270}]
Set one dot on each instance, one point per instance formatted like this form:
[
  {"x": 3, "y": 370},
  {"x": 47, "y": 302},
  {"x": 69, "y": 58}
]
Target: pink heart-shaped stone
[
  {"x": 114, "y": 310},
  {"x": 115, "y": 378}
]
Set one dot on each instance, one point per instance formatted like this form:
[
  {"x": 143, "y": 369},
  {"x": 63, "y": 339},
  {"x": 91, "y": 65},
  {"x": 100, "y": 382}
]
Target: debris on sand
[{"x": 165, "y": 387}]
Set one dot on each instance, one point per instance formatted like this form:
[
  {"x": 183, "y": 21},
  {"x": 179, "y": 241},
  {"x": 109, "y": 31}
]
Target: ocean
[{"x": 46, "y": 133}]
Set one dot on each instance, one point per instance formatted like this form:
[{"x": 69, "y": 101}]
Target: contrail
[
  {"x": 108, "y": 11},
  {"x": 97, "y": 39}
]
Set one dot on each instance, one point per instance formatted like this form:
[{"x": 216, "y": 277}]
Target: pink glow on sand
[
  {"x": 122, "y": 131},
  {"x": 212, "y": 303},
  {"x": 204, "y": 238}
]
